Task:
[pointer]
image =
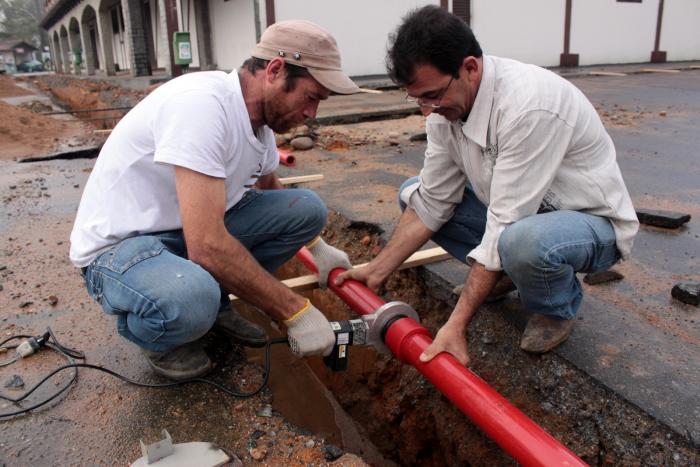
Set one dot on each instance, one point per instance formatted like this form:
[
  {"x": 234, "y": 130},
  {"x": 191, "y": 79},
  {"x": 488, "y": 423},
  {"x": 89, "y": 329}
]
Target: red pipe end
[{"x": 287, "y": 159}]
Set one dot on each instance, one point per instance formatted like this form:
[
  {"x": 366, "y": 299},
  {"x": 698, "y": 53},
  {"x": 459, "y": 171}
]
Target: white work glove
[
  {"x": 309, "y": 332},
  {"x": 327, "y": 258}
]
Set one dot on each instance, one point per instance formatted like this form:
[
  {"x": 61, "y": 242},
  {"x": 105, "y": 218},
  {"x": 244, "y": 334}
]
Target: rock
[
  {"x": 393, "y": 134},
  {"x": 14, "y": 382},
  {"x": 258, "y": 454},
  {"x": 3, "y": 267},
  {"x": 280, "y": 140},
  {"x": 366, "y": 240},
  {"x": 266, "y": 411},
  {"x": 302, "y": 143},
  {"x": 488, "y": 339},
  {"x": 393, "y": 142},
  {"x": 663, "y": 113},
  {"x": 688, "y": 292},
  {"x": 25, "y": 304},
  {"x": 53, "y": 300},
  {"x": 310, "y": 443},
  {"x": 664, "y": 219},
  {"x": 418, "y": 137},
  {"x": 1, "y": 288},
  {"x": 602, "y": 277},
  {"x": 331, "y": 452}
]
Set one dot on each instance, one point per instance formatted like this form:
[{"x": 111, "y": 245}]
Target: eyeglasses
[{"x": 422, "y": 100}]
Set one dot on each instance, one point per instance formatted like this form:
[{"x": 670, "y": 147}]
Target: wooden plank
[
  {"x": 102, "y": 131},
  {"x": 659, "y": 70},
  {"x": 419, "y": 258},
  {"x": 301, "y": 179},
  {"x": 606, "y": 73}
]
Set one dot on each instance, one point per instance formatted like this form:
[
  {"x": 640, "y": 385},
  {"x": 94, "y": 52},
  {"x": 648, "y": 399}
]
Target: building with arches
[{"x": 107, "y": 37}]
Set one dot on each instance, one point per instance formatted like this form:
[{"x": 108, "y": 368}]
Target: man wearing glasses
[{"x": 520, "y": 177}]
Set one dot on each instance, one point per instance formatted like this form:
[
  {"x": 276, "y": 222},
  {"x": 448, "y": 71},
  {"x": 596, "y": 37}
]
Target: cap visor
[{"x": 334, "y": 80}]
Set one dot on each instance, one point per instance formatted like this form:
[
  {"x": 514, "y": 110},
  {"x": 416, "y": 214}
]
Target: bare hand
[
  {"x": 364, "y": 274},
  {"x": 451, "y": 339}
]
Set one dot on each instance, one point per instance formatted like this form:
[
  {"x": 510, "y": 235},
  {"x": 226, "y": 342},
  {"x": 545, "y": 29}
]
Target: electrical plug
[{"x": 31, "y": 345}]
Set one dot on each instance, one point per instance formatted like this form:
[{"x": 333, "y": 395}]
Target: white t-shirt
[{"x": 198, "y": 121}]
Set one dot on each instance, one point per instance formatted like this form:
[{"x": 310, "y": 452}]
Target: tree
[{"x": 19, "y": 19}]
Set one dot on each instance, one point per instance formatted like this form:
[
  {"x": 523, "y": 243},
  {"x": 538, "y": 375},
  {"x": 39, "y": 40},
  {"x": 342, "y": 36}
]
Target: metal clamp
[{"x": 383, "y": 316}]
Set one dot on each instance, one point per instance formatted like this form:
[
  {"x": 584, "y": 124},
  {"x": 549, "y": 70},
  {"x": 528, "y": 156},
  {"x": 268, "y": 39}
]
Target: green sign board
[{"x": 182, "y": 48}]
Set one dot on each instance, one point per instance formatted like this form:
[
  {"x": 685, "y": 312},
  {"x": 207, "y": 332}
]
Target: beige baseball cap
[{"x": 306, "y": 44}]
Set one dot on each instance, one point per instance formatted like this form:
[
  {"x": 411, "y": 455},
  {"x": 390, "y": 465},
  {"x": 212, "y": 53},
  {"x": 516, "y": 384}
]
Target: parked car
[{"x": 30, "y": 66}]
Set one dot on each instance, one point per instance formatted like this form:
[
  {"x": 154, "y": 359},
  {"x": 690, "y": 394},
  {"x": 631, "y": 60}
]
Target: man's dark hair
[
  {"x": 429, "y": 35},
  {"x": 294, "y": 72}
]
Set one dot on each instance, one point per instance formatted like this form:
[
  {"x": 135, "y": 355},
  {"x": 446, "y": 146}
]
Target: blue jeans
[
  {"x": 540, "y": 253},
  {"x": 162, "y": 300}
]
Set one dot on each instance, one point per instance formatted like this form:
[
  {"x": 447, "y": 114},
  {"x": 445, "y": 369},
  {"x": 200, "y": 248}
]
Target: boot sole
[{"x": 179, "y": 375}]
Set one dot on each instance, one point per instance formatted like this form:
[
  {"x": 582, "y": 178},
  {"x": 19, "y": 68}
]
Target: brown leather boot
[
  {"x": 185, "y": 362},
  {"x": 231, "y": 323},
  {"x": 543, "y": 333}
]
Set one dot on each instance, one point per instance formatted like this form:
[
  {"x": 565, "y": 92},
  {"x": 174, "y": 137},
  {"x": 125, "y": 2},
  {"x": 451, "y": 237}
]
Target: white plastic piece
[
  {"x": 157, "y": 450},
  {"x": 184, "y": 455}
]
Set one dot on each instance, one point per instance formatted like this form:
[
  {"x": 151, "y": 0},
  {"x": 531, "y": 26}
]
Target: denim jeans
[
  {"x": 541, "y": 253},
  {"x": 162, "y": 300}
]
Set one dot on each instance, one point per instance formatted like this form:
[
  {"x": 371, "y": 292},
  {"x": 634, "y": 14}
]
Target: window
[{"x": 462, "y": 9}]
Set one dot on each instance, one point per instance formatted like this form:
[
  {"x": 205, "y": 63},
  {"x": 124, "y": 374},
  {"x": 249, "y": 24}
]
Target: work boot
[
  {"x": 185, "y": 362},
  {"x": 231, "y": 323},
  {"x": 543, "y": 333}
]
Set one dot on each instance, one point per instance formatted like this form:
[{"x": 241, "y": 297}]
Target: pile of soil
[
  {"x": 24, "y": 133},
  {"x": 8, "y": 88}
]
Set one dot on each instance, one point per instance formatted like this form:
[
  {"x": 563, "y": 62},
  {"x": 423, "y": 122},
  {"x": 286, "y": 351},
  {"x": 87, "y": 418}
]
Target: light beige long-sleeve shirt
[{"x": 532, "y": 143}]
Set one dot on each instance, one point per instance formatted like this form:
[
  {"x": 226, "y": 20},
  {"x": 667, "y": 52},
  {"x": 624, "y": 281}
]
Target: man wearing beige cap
[{"x": 183, "y": 205}]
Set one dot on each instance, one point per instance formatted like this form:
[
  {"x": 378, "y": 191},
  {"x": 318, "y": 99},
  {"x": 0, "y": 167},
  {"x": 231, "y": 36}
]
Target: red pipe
[
  {"x": 287, "y": 159},
  {"x": 517, "y": 434}
]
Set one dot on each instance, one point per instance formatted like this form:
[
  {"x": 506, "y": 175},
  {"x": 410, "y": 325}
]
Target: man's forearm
[
  {"x": 269, "y": 182},
  {"x": 410, "y": 234},
  {"x": 237, "y": 271},
  {"x": 477, "y": 287}
]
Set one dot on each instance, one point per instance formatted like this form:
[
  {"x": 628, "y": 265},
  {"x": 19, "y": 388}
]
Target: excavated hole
[{"x": 388, "y": 413}]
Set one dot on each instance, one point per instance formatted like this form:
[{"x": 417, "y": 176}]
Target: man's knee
[
  {"x": 310, "y": 208},
  {"x": 521, "y": 246},
  {"x": 183, "y": 313},
  {"x": 404, "y": 191}
]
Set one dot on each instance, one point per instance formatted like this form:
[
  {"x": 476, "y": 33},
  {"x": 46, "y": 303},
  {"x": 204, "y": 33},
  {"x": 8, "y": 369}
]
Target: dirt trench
[
  {"x": 411, "y": 423},
  {"x": 84, "y": 94}
]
